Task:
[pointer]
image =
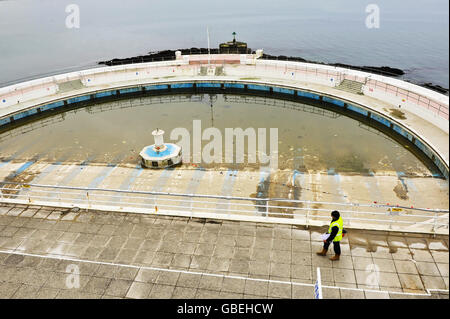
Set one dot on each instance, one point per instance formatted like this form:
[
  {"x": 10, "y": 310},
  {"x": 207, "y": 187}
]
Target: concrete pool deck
[
  {"x": 329, "y": 190},
  {"x": 121, "y": 255},
  {"x": 423, "y": 192}
]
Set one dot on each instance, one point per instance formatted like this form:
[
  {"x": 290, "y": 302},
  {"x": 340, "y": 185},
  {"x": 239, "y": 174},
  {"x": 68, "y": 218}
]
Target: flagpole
[{"x": 209, "y": 53}]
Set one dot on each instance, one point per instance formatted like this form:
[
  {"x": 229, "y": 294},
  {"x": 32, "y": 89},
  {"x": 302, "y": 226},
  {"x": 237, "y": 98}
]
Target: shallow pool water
[{"x": 309, "y": 138}]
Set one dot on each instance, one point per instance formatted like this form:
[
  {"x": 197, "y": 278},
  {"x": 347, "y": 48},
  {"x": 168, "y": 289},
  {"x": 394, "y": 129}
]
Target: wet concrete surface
[
  {"x": 418, "y": 192},
  {"x": 121, "y": 255}
]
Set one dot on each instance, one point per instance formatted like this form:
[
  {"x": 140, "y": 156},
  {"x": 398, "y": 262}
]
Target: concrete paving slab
[
  {"x": 443, "y": 269},
  {"x": 346, "y": 276},
  {"x": 376, "y": 295},
  {"x": 427, "y": 268},
  {"x": 433, "y": 282},
  {"x": 352, "y": 294},
  {"x": 139, "y": 290},
  {"x": 118, "y": 287},
  {"x": 440, "y": 256},
  {"x": 184, "y": 293},
  {"x": 384, "y": 265},
  {"x": 238, "y": 262},
  {"x": 162, "y": 292},
  {"x": 331, "y": 293},
  {"x": 421, "y": 255},
  {"x": 406, "y": 267},
  {"x": 411, "y": 281}
]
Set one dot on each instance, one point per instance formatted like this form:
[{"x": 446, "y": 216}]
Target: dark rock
[
  {"x": 383, "y": 70},
  {"x": 435, "y": 87},
  {"x": 167, "y": 55}
]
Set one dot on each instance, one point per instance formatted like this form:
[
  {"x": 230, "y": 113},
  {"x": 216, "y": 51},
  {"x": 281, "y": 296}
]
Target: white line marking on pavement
[{"x": 214, "y": 275}]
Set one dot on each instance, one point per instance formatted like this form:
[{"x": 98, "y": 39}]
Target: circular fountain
[{"x": 160, "y": 154}]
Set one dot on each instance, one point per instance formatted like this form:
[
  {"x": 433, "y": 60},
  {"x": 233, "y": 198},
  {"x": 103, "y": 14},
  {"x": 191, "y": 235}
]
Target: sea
[{"x": 46, "y": 37}]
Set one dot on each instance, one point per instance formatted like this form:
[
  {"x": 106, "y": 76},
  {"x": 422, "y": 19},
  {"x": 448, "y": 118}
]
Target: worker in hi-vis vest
[{"x": 336, "y": 231}]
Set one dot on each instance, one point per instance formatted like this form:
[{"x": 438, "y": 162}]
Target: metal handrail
[
  {"x": 220, "y": 209},
  {"x": 217, "y": 206},
  {"x": 240, "y": 204},
  {"x": 26, "y": 185},
  {"x": 228, "y": 210}
]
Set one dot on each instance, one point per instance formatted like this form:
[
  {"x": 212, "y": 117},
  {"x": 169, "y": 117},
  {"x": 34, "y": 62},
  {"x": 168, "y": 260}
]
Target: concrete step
[
  {"x": 70, "y": 86},
  {"x": 351, "y": 86}
]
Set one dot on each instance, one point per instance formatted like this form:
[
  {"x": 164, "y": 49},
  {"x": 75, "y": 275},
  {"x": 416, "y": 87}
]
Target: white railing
[
  {"x": 273, "y": 210},
  {"x": 388, "y": 89}
]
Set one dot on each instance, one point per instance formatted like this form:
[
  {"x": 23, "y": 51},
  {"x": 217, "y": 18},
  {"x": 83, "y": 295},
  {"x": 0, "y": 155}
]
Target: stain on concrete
[
  {"x": 408, "y": 283},
  {"x": 370, "y": 248},
  {"x": 393, "y": 249},
  {"x": 211, "y": 221},
  {"x": 279, "y": 185},
  {"x": 401, "y": 191},
  {"x": 13, "y": 259},
  {"x": 396, "y": 113},
  {"x": 262, "y": 191},
  {"x": 9, "y": 190}
]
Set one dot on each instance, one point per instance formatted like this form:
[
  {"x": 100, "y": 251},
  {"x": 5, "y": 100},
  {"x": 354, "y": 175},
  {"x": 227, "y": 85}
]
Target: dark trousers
[{"x": 336, "y": 246}]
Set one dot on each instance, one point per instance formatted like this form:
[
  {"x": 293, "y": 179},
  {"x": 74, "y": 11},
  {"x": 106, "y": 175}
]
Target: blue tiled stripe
[
  {"x": 182, "y": 85},
  {"x": 131, "y": 178},
  {"x": 234, "y": 85},
  {"x": 308, "y": 95},
  {"x": 162, "y": 180},
  {"x": 104, "y": 94},
  {"x": 78, "y": 99},
  {"x": 160, "y": 183},
  {"x": 380, "y": 119},
  {"x": 357, "y": 109},
  {"x": 283, "y": 90},
  {"x": 101, "y": 176},
  {"x": 193, "y": 185},
  {"x": 195, "y": 180},
  {"x": 209, "y": 85},
  {"x": 52, "y": 106},
  {"x": 130, "y": 90},
  {"x": 156, "y": 87},
  {"x": 402, "y": 132},
  {"x": 258, "y": 87},
  {"x": 333, "y": 101},
  {"x": 262, "y": 190},
  {"x": 227, "y": 189},
  {"x": 22, "y": 168},
  {"x": 77, "y": 170},
  {"x": 125, "y": 185},
  {"x": 4, "y": 121},
  {"x": 372, "y": 186},
  {"x": 336, "y": 180}
]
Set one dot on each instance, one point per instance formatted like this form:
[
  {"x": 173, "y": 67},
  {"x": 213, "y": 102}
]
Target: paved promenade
[{"x": 121, "y": 255}]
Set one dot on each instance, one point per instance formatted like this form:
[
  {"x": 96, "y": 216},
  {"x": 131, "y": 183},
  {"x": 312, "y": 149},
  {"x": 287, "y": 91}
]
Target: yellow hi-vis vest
[{"x": 340, "y": 224}]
